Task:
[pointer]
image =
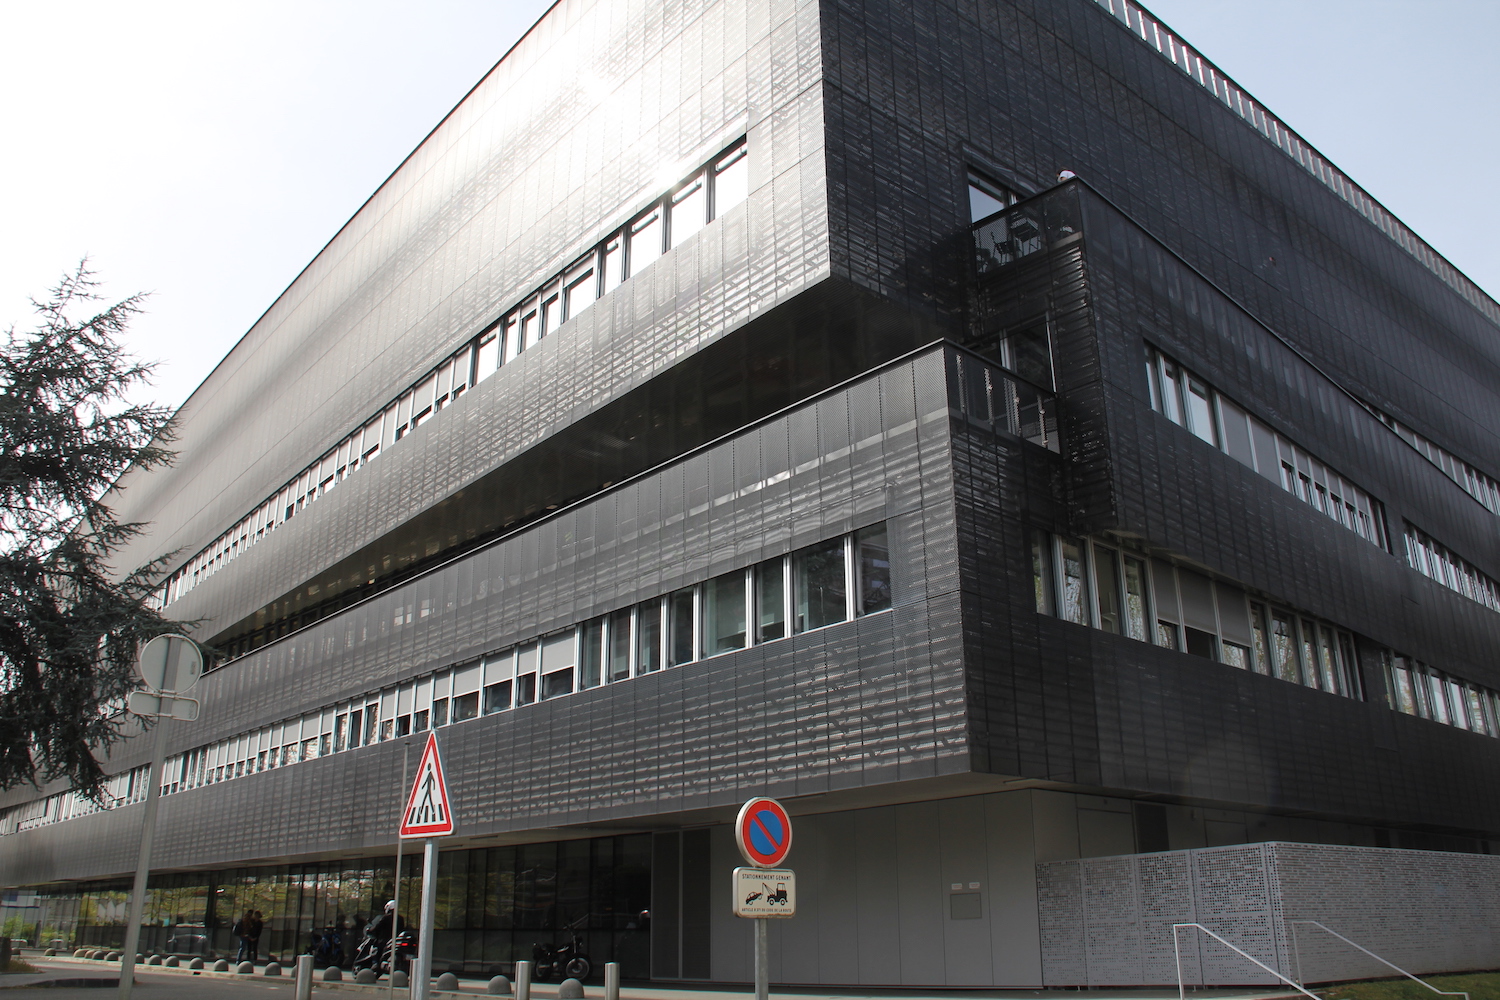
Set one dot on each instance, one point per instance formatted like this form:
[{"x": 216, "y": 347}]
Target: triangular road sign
[{"x": 427, "y": 812}]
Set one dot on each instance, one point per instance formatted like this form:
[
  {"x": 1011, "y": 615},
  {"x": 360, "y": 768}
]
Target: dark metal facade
[{"x": 863, "y": 117}]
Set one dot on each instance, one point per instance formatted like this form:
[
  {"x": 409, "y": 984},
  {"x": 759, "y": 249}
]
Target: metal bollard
[
  {"x": 304, "y": 977},
  {"x": 611, "y": 981},
  {"x": 523, "y": 981}
]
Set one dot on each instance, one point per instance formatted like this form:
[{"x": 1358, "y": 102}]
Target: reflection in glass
[
  {"x": 619, "y": 645},
  {"x": 770, "y": 600},
  {"x": 680, "y": 607},
  {"x": 648, "y": 637},
  {"x": 724, "y": 613},
  {"x": 1135, "y": 599},
  {"x": 1106, "y": 582},
  {"x": 1075, "y": 587},
  {"x": 820, "y": 585},
  {"x": 874, "y": 557}
]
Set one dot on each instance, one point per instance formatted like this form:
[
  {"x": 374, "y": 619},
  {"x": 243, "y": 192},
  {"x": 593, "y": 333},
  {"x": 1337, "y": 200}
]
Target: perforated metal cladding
[
  {"x": 1108, "y": 921},
  {"x": 873, "y": 700},
  {"x": 529, "y": 171}
]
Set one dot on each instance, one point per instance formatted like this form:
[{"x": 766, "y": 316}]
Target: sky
[{"x": 206, "y": 152}]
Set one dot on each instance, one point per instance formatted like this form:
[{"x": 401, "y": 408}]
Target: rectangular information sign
[{"x": 765, "y": 892}]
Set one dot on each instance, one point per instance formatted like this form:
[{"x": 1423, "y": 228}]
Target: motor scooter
[{"x": 398, "y": 953}]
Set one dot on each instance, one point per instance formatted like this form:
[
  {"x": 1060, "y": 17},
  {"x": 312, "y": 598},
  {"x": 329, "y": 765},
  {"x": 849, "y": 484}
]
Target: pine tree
[{"x": 69, "y": 624}]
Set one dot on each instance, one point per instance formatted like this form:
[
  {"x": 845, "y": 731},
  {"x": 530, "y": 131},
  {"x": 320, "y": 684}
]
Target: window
[
  {"x": 526, "y": 667},
  {"x": 648, "y": 637},
  {"x": 1107, "y": 586},
  {"x": 466, "y": 706},
  {"x": 731, "y": 180},
  {"x": 1075, "y": 595},
  {"x": 681, "y": 608},
  {"x": 987, "y": 197},
  {"x": 488, "y": 357},
  {"x": 821, "y": 596},
  {"x": 559, "y": 658},
  {"x": 689, "y": 210},
  {"x": 1135, "y": 599},
  {"x": 770, "y": 600},
  {"x": 551, "y": 312},
  {"x": 1200, "y": 410},
  {"x": 645, "y": 242},
  {"x": 439, "y": 712},
  {"x": 580, "y": 288},
  {"x": 873, "y": 553},
  {"x": 1041, "y": 570},
  {"x": 496, "y": 697},
  {"x": 612, "y": 263},
  {"x": 724, "y": 614},
  {"x": 591, "y": 654},
  {"x": 1189, "y": 401},
  {"x": 619, "y": 644}
]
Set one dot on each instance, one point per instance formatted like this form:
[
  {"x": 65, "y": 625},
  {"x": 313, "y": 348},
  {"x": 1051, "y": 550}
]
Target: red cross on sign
[{"x": 427, "y": 812}]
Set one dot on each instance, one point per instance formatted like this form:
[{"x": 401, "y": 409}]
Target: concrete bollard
[
  {"x": 366, "y": 977},
  {"x": 400, "y": 979},
  {"x": 196, "y": 965},
  {"x": 447, "y": 981},
  {"x": 611, "y": 981},
  {"x": 272, "y": 969},
  {"x": 523, "y": 981},
  {"x": 499, "y": 986},
  {"x": 245, "y": 968},
  {"x": 112, "y": 956},
  {"x": 304, "y": 974},
  {"x": 222, "y": 965},
  {"x": 171, "y": 962},
  {"x": 333, "y": 974},
  {"x": 154, "y": 960},
  {"x": 570, "y": 989},
  {"x": 50, "y": 952}
]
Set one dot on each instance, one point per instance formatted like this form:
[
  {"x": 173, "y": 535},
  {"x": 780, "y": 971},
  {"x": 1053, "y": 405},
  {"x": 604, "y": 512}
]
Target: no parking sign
[{"x": 763, "y": 832}]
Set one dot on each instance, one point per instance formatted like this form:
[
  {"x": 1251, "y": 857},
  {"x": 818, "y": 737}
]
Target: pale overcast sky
[{"x": 206, "y": 152}]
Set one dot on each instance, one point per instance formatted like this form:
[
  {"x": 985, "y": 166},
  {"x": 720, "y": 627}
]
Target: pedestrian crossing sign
[{"x": 427, "y": 812}]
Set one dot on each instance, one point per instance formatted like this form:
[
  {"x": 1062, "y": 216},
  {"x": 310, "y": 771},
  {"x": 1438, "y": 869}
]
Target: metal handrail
[
  {"x": 1177, "y": 954},
  {"x": 1297, "y": 957}
]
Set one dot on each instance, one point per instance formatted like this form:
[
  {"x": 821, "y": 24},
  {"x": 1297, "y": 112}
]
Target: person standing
[
  {"x": 240, "y": 930},
  {"x": 253, "y": 927}
]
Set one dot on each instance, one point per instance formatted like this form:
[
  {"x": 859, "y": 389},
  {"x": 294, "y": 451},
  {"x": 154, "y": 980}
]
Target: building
[{"x": 980, "y": 425}]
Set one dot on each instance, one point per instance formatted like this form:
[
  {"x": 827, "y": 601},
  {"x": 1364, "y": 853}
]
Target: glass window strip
[
  {"x": 1188, "y": 401},
  {"x": 850, "y": 572}
]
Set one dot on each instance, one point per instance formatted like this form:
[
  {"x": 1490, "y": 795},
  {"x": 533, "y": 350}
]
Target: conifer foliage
[{"x": 70, "y": 622}]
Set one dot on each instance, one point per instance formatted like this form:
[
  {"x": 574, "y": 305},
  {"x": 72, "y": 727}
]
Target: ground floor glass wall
[{"x": 493, "y": 905}]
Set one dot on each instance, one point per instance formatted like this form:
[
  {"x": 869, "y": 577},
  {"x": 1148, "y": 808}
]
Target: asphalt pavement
[{"x": 153, "y": 983}]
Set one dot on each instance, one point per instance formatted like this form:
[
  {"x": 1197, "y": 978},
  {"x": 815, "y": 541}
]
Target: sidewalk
[{"x": 179, "y": 984}]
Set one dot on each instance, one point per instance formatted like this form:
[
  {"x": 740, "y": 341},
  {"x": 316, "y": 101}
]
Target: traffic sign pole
[
  {"x": 762, "y": 958},
  {"x": 427, "y": 815},
  {"x": 169, "y": 665},
  {"x": 421, "y": 976},
  {"x": 143, "y": 863},
  {"x": 763, "y": 833}
]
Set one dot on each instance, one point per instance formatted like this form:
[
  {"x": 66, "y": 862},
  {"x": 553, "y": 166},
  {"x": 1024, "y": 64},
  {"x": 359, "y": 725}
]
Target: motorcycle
[
  {"x": 370, "y": 955},
  {"x": 327, "y": 947},
  {"x": 563, "y": 961}
]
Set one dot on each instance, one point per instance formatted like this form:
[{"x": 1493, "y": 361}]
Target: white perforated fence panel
[{"x": 1108, "y": 921}]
